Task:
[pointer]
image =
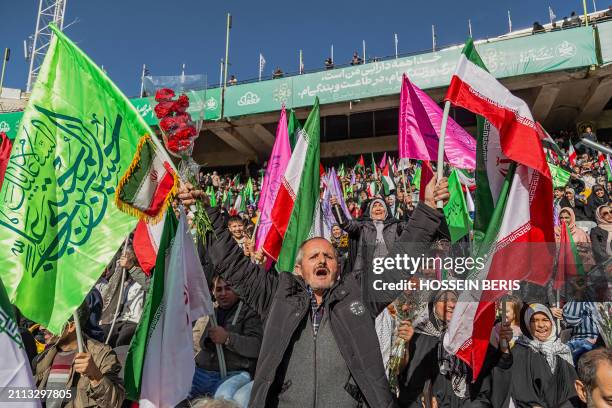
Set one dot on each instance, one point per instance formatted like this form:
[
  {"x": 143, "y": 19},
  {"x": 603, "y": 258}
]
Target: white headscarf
[{"x": 552, "y": 346}]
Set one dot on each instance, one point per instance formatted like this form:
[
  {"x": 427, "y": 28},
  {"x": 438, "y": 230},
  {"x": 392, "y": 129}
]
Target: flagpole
[
  {"x": 220, "y": 354},
  {"x": 586, "y": 15},
  {"x": 470, "y": 27},
  {"x": 440, "y": 168},
  {"x": 144, "y": 68},
  {"x": 332, "y": 53},
  {"x": 79, "y": 334},
  {"x": 509, "y": 22},
  {"x": 395, "y": 38},
  {"x": 433, "y": 38},
  {"x": 118, "y": 307},
  {"x": 301, "y": 63},
  {"x": 364, "y": 51}
]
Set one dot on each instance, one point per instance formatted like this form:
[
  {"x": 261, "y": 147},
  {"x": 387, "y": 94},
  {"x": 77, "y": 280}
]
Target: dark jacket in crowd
[
  {"x": 245, "y": 331},
  {"x": 109, "y": 393},
  {"x": 599, "y": 243},
  {"x": 533, "y": 383},
  {"x": 424, "y": 351},
  {"x": 581, "y": 210},
  {"x": 339, "y": 367}
]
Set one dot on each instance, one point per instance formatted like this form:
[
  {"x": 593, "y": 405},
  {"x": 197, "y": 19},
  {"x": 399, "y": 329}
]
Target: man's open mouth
[{"x": 321, "y": 272}]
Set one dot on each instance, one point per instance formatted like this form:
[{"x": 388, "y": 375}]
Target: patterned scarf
[{"x": 551, "y": 347}]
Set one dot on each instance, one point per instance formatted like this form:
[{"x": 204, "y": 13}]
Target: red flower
[
  {"x": 184, "y": 132},
  {"x": 164, "y": 94},
  {"x": 168, "y": 123},
  {"x": 164, "y": 109},
  {"x": 183, "y": 118},
  {"x": 181, "y": 104}
]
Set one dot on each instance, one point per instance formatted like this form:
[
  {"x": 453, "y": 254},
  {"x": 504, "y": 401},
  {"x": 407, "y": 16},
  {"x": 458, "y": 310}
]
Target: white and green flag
[{"x": 160, "y": 364}]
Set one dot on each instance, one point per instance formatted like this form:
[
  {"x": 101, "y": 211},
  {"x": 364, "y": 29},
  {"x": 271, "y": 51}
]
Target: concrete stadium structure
[{"x": 565, "y": 76}]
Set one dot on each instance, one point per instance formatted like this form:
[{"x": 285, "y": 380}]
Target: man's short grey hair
[
  {"x": 212, "y": 403},
  {"x": 300, "y": 252},
  {"x": 588, "y": 363}
]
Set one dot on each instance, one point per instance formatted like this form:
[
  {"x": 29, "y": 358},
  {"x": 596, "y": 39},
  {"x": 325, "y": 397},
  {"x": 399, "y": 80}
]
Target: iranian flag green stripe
[
  {"x": 153, "y": 309},
  {"x": 147, "y": 185}
]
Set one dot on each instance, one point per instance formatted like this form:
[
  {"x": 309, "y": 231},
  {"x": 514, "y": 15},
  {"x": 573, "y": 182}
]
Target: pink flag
[
  {"x": 383, "y": 161},
  {"x": 420, "y": 119},
  {"x": 281, "y": 153}
]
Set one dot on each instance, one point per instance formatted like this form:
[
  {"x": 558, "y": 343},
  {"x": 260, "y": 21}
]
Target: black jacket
[
  {"x": 283, "y": 302},
  {"x": 245, "y": 331},
  {"x": 599, "y": 243}
]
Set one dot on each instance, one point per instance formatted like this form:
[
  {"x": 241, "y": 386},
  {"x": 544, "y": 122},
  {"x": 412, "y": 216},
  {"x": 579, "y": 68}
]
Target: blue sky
[{"x": 122, "y": 35}]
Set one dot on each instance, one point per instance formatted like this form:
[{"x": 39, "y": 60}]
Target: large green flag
[
  {"x": 293, "y": 127},
  {"x": 560, "y": 177},
  {"x": 59, "y": 226},
  {"x": 455, "y": 211}
]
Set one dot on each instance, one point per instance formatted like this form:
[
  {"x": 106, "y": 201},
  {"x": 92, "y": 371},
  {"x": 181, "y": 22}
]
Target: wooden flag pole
[{"x": 440, "y": 169}]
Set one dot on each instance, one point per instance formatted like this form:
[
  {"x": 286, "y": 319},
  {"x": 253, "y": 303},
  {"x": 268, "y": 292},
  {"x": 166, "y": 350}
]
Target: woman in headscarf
[
  {"x": 339, "y": 240},
  {"x": 577, "y": 205},
  {"x": 431, "y": 373},
  {"x": 567, "y": 216},
  {"x": 601, "y": 235},
  {"x": 542, "y": 371},
  {"x": 597, "y": 198}
]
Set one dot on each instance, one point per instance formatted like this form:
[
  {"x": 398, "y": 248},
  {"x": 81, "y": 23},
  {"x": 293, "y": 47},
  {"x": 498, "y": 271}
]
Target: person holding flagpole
[{"x": 319, "y": 347}]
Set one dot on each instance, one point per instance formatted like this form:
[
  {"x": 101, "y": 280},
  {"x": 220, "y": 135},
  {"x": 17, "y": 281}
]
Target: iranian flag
[
  {"x": 515, "y": 215},
  {"x": 388, "y": 179},
  {"x": 147, "y": 237},
  {"x": 159, "y": 367},
  {"x": 572, "y": 154},
  {"x": 569, "y": 263},
  {"x": 149, "y": 184},
  {"x": 297, "y": 197}
]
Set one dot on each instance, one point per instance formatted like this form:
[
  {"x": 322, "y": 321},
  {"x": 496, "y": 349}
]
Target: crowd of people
[{"x": 311, "y": 337}]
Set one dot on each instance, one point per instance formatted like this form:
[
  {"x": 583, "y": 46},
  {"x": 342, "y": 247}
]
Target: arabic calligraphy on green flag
[{"x": 59, "y": 226}]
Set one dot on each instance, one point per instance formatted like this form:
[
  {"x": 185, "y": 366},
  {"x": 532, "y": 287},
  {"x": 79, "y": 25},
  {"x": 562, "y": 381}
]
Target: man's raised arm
[{"x": 251, "y": 282}]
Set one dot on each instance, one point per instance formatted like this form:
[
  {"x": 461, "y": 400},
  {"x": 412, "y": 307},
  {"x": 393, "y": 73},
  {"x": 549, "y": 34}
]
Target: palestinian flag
[
  {"x": 294, "y": 208},
  {"x": 248, "y": 191},
  {"x": 513, "y": 207},
  {"x": 569, "y": 263},
  {"x": 148, "y": 185},
  {"x": 388, "y": 179},
  {"x": 360, "y": 165},
  {"x": 572, "y": 154},
  {"x": 425, "y": 177},
  {"x": 235, "y": 181}
]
